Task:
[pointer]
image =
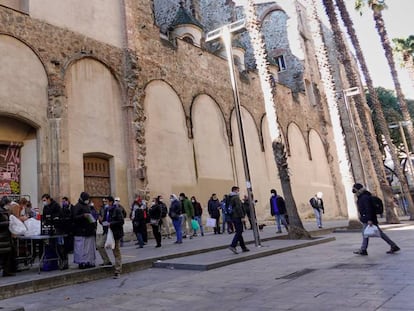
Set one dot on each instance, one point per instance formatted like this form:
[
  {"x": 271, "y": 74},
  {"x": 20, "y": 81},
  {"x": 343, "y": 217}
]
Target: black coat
[
  {"x": 5, "y": 235},
  {"x": 366, "y": 208},
  {"x": 281, "y": 205},
  {"x": 214, "y": 208},
  {"x": 81, "y": 225},
  {"x": 114, "y": 215},
  {"x": 139, "y": 224}
]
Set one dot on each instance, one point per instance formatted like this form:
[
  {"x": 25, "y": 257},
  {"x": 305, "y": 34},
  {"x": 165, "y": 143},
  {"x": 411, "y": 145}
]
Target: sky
[{"x": 399, "y": 21}]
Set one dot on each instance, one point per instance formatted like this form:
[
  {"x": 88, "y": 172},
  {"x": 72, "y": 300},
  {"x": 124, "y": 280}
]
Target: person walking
[
  {"x": 278, "y": 210},
  {"x": 155, "y": 220},
  {"x": 317, "y": 204},
  {"x": 368, "y": 217},
  {"x": 214, "y": 206},
  {"x": 175, "y": 214},
  {"x": 84, "y": 233},
  {"x": 188, "y": 210},
  {"x": 237, "y": 216},
  {"x": 198, "y": 212},
  {"x": 113, "y": 219}
]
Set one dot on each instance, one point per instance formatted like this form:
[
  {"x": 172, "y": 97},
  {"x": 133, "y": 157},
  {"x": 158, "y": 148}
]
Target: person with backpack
[
  {"x": 237, "y": 214},
  {"x": 175, "y": 214},
  {"x": 226, "y": 209},
  {"x": 317, "y": 204},
  {"x": 165, "y": 224},
  {"x": 368, "y": 216}
]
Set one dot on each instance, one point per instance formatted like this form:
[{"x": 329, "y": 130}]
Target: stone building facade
[{"x": 109, "y": 99}]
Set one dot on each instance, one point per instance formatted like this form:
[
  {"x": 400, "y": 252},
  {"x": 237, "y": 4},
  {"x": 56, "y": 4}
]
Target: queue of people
[{"x": 83, "y": 229}]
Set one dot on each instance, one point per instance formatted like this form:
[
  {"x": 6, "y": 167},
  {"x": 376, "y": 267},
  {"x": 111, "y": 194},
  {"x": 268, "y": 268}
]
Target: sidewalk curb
[{"x": 176, "y": 264}]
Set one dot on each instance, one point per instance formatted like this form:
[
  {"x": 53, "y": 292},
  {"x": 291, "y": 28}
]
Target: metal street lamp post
[
  {"x": 348, "y": 93},
  {"x": 224, "y": 33}
]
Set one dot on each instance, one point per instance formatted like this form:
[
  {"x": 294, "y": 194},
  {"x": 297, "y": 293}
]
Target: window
[{"x": 280, "y": 63}]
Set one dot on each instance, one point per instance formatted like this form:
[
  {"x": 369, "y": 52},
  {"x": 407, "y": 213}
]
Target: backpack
[
  {"x": 378, "y": 205},
  {"x": 228, "y": 208}
]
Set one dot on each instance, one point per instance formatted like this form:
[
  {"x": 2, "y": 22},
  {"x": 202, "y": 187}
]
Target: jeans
[
  {"x": 198, "y": 219},
  {"x": 177, "y": 227},
  {"x": 100, "y": 241},
  {"x": 318, "y": 216},
  {"x": 365, "y": 240},
  {"x": 238, "y": 236},
  {"x": 280, "y": 219},
  {"x": 140, "y": 239}
]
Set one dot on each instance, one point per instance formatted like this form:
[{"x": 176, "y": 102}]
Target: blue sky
[{"x": 399, "y": 23}]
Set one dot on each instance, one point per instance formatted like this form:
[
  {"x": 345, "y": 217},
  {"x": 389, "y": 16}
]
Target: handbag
[
  {"x": 195, "y": 225},
  {"x": 211, "y": 222},
  {"x": 371, "y": 231},
  {"x": 110, "y": 240},
  {"x": 16, "y": 226}
]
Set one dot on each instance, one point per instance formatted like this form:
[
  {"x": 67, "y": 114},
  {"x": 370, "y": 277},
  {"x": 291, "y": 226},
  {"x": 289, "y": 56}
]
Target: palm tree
[
  {"x": 376, "y": 106},
  {"x": 377, "y": 6},
  {"x": 296, "y": 229},
  {"x": 332, "y": 102},
  {"x": 352, "y": 78},
  {"x": 405, "y": 48}
]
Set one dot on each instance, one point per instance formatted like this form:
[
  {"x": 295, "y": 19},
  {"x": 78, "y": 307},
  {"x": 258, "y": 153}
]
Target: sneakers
[
  {"x": 279, "y": 231},
  {"x": 246, "y": 250},
  {"x": 117, "y": 275},
  {"x": 393, "y": 249},
  {"x": 361, "y": 252},
  {"x": 233, "y": 249}
]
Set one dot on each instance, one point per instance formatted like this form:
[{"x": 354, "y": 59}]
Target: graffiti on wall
[{"x": 9, "y": 169}]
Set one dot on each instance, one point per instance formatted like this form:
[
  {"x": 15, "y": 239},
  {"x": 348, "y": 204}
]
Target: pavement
[{"x": 200, "y": 253}]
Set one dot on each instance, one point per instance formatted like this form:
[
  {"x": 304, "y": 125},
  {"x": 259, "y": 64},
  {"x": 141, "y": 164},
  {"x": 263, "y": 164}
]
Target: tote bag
[{"x": 211, "y": 222}]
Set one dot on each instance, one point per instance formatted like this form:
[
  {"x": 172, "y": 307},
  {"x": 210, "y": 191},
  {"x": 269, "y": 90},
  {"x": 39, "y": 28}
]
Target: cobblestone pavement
[{"x": 327, "y": 276}]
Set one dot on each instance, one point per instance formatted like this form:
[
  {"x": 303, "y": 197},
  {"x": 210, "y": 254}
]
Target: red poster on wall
[{"x": 9, "y": 169}]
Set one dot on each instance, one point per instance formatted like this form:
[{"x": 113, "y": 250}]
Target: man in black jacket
[
  {"x": 237, "y": 215},
  {"x": 113, "y": 218},
  {"x": 52, "y": 219},
  {"x": 368, "y": 217}
]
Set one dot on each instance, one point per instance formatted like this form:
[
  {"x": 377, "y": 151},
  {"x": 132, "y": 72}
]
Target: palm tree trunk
[
  {"x": 332, "y": 101},
  {"x": 388, "y": 195},
  {"x": 351, "y": 75},
  {"x": 296, "y": 228},
  {"x": 382, "y": 32}
]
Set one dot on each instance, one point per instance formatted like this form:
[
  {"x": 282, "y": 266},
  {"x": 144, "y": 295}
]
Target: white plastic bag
[
  {"x": 33, "y": 227},
  {"x": 110, "y": 241},
  {"x": 211, "y": 222},
  {"x": 16, "y": 226},
  {"x": 372, "y": 232}
]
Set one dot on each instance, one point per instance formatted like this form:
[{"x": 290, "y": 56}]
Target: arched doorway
[{"x": 97, "y": 178}]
